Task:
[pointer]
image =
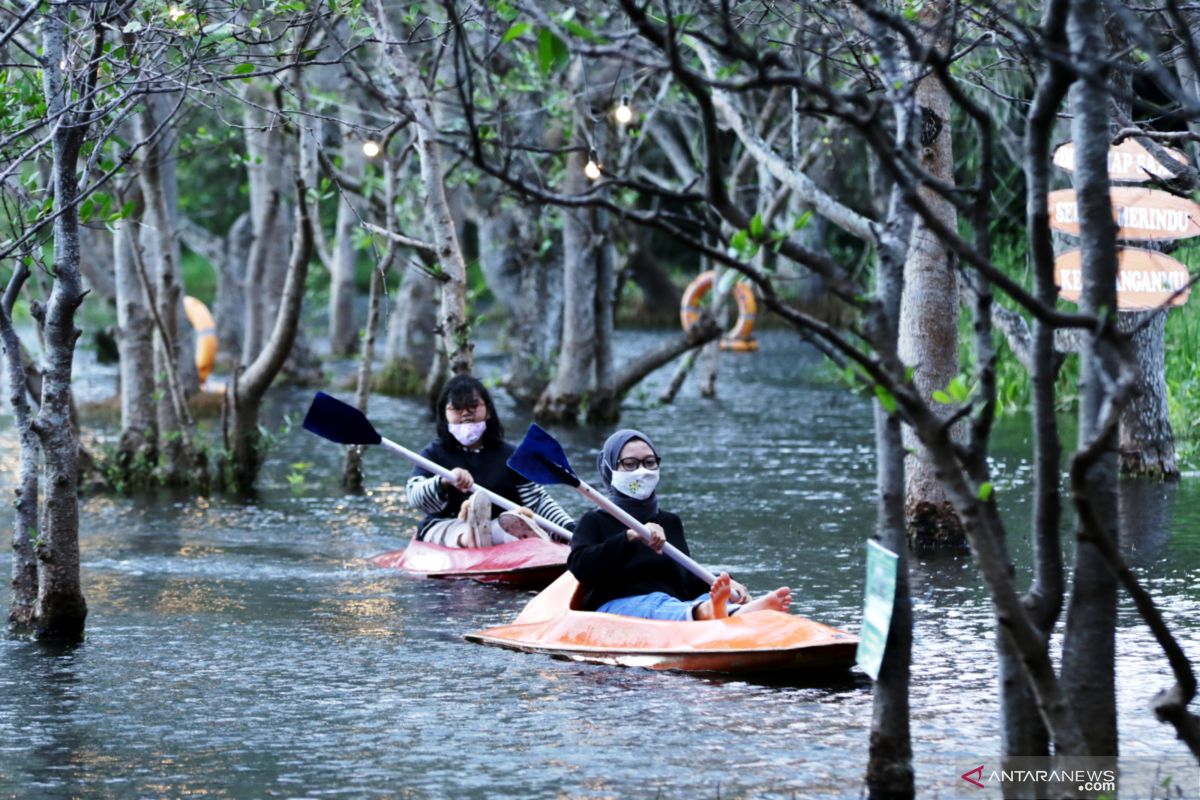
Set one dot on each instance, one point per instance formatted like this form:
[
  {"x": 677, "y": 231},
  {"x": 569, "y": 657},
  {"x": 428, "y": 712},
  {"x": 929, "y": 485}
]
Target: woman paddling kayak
[
  {"x": 470, "y": 443},
  {"x": 622, "y": 573}
]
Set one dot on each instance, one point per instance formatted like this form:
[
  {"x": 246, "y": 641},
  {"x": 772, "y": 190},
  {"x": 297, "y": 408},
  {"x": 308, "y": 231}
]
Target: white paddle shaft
[
  {"x": 669, "y": 550},
  {"x": 437, "y": 469}
]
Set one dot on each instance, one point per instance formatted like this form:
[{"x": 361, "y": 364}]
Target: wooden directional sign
[
  {"x": 1145, "y": 279},
  {"x": 1142, "y": 214},
  {"x": 1129, "y": 161}
]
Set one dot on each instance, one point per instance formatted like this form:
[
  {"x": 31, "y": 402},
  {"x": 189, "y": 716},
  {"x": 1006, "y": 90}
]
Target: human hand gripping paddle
[
  {"x": 540, "y": 458},
  {"x": 340, "y": 422}
]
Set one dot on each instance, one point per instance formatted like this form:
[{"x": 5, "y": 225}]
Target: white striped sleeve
[
  {"x": 424, "y": 493},
  {"x": 539, "y": 501}
]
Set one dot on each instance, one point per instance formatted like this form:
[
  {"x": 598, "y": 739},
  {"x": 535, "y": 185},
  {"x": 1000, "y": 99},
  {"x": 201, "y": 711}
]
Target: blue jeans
[{"x": 656, "y": 605}]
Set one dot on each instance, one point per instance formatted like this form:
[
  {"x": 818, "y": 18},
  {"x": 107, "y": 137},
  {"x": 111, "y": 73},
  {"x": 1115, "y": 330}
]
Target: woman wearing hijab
[
  {"x": 622, "y": 573},
  {"x": 470, "y": 443}
]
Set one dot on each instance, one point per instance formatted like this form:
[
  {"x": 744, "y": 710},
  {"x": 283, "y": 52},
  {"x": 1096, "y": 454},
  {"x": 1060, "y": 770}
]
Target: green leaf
[
  {"x": 957, "y": 388},
  {"x": 802, "y": 220},
  {"x": 985, "y": 491},
  {"x": 886, "y": 399},
  {"x": 756, "y": 226},
  {"x": 552, "y": 51},
  {"x": 942, "y": 397},
  {"x": 242, "y": 69},
  {"x": 515, "y": 31},
  {"x": 578, "y": 30}
]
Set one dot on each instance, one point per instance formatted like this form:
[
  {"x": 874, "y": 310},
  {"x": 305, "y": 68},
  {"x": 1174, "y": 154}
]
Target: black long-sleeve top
[
  {"x": 610, "y": 566},
  {"x": 489, "y": 467}
]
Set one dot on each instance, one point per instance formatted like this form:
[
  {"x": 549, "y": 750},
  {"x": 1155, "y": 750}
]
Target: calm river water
[{"x": 246, "y": 649}]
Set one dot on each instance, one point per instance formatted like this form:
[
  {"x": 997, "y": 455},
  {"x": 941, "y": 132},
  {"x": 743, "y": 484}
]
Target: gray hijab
[{"x": 641, "y": 510}]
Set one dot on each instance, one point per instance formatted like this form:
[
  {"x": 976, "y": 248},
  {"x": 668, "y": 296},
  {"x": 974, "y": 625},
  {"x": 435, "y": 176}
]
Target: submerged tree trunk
[
  {"x": 1147, "y": 444},
  {"x": 929, "y": 318},
  {"x": 343, "y": 330},
  {"x": 352, "y": 473},
  {"x": 889, "y": 765},
  {"x": 60, "y": 611},
  {"x": 25, "y": 522},
  {"x": 1088, "y": 664},
  {"x": 1022, "y": 730},
  {"x": 572, "y": 381},
  {"x": 412, "y": 335},
  {"x": 246, "y": 454},
  {"x": 178, "y": 463},
  {"x": 530, "y": 287},
  {"x": 137, "y": 450}
]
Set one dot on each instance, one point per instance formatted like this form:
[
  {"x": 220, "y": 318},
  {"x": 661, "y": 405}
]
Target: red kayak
[
  {"x": 760, "y": 641},
  {"x": 527, "y": 563}
]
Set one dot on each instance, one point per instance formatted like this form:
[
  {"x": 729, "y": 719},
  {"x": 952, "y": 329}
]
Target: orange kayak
[
  {"x": 527, "y": 563},
  {"x": 761, "y": 641}
]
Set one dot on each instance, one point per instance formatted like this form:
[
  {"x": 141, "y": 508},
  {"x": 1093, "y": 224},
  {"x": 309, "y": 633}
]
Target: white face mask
[
  {"x": 468, "y": 433},
  {"x": 638, "y": 484}
]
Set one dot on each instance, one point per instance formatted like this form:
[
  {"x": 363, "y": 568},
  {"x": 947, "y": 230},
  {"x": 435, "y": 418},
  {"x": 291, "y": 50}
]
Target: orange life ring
[
  {"x": 740, "y": 338},
  {"x": 206, "y": 335}
]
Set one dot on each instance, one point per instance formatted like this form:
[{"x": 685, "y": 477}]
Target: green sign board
[{"x": 877, "y": 607}]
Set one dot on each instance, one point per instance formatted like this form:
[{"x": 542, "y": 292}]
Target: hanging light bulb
[
  {"x": 592, "y": 167},
  {"x": 370, "y": 148},
  {"x": 623, "y": 114}
]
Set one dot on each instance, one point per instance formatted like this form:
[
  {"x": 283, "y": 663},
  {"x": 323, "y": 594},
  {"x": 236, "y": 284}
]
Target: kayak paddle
[
  {"x": 340, "y": 422},
  {"x": 540, "y": 458}
]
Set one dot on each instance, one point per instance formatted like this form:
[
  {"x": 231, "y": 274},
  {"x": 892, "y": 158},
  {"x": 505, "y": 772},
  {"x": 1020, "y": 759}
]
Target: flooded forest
[{"x": 687, "y": 399}]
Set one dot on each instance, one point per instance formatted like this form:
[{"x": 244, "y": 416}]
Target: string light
[
  {"x": 592, "y": 167},
  {"x": 370, "y": 148},
  {"x": 623, "y": 114}
]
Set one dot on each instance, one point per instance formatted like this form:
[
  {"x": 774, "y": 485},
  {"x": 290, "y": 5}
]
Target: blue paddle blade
[
  {"x": 540, "y": 458},
  {"x": 339, "y": 422}
]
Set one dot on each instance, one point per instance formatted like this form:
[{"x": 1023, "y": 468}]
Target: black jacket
[{"x": 610, "y": 566}]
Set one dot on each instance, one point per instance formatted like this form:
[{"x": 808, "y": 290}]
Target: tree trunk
[
  {"x": 1022, "y": 731},
  {"x": 572, "y": 382},
  {"x": 412, "y": 336},
  {"x": 889, "y": 765},
  {"x": 1088, "y": 669},
  {"x": 60, "y": 611},
  {"x": 530, "y": 287},
  {"x": 241, "y": 470},
  {"x": 137, "y": 450},
  {"x": 228, "y": 255},
  {"x": 343, "y": 330},
  {"x": 1147, "y": 444},
  {"x": 606, "y": 404},
  {"x": 929, "y": 319},
  {"x": 96, "y": 270},
  {"x": 454, "y": 327},
  {"x": 178, "y": 463},
  {"x": 25, "y": 522},
  {"x": 352, "y": 473}
]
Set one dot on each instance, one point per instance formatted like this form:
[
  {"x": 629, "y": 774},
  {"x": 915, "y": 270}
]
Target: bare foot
[
  {"x": 778, "y": 600},
  {"x": 717, "y": 606}
]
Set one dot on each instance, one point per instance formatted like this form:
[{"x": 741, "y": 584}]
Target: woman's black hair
[{"x": 461, "y": 391}]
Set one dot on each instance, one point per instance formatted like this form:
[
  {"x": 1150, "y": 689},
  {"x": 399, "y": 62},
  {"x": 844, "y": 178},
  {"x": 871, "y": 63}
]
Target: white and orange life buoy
[
  {"x": 206, "y": 335},
  {"x": 741, "y": 337}
]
